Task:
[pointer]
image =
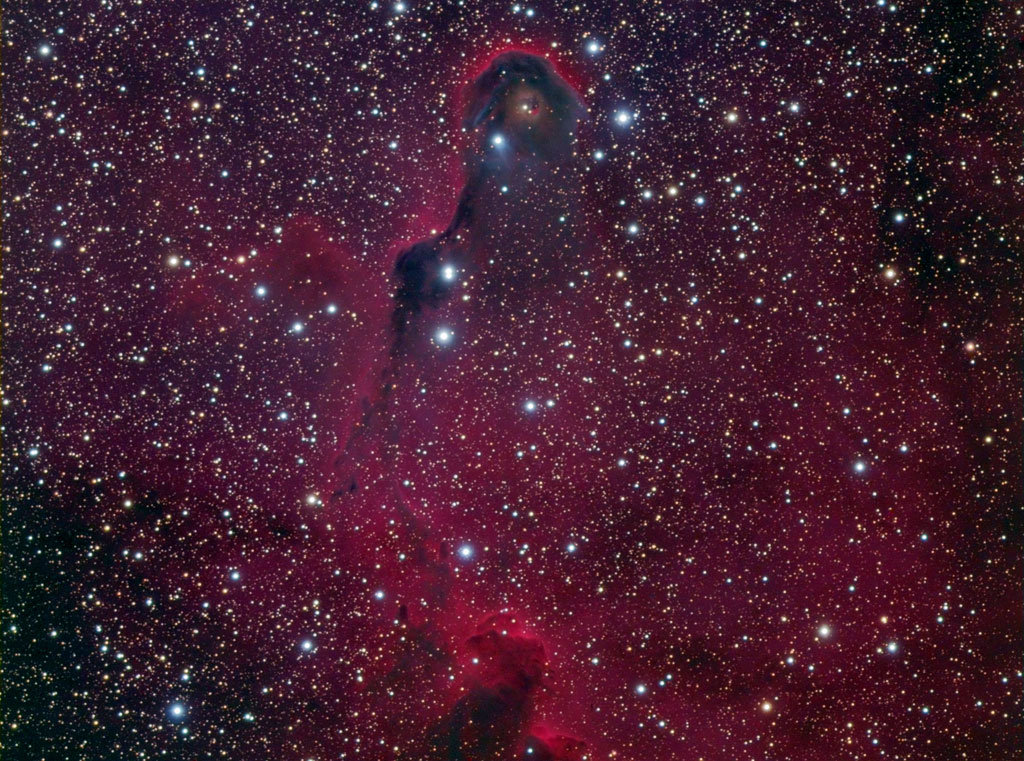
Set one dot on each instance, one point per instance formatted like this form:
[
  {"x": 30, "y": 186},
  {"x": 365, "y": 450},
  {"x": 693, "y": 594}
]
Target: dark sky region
[{"x": 480, "y": 381}]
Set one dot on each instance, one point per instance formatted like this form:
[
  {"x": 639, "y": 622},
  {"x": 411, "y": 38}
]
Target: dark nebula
[
  {"x": 522, "y": 118},
  {"x": 421, "y": 381},
  {"x": 490, "y": 720}
]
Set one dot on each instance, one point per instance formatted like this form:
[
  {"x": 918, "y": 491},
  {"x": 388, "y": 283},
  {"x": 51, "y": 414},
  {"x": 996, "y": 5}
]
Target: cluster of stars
[{"x": 710, "y": 427}]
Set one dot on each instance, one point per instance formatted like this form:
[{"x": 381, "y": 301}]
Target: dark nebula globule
[
  {"x": 480, "y": 382},
  {"x": 522, "y": 119}
]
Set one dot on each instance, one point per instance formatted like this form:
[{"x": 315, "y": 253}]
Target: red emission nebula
[{"x": 486, "y": 382}]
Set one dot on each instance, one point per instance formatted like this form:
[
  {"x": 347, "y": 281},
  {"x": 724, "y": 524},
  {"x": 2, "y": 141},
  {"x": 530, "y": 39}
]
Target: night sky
[{"x": 482, "y": 381}]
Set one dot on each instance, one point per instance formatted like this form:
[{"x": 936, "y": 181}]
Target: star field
[{"x": 421, "y": 380}]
